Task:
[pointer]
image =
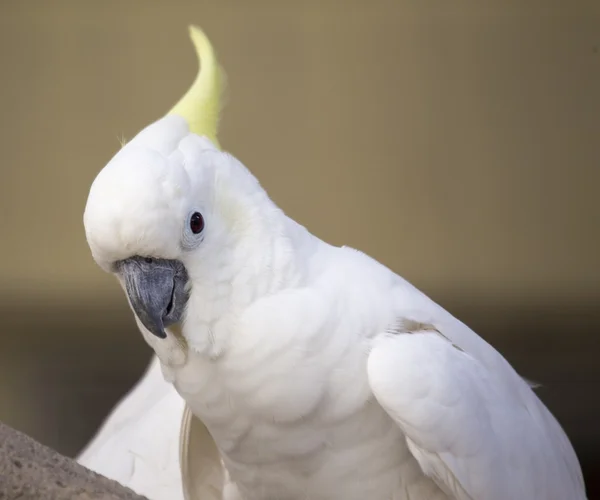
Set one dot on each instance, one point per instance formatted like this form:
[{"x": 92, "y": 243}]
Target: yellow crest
[{"x": 201, "y": 105}]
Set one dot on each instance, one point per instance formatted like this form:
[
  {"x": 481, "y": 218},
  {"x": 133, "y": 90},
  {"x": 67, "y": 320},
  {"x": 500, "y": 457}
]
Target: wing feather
[
  {"x": 202, "y": 470},
  {"x": 472, "y": 423},
  {"x": 138, "y": 444}
]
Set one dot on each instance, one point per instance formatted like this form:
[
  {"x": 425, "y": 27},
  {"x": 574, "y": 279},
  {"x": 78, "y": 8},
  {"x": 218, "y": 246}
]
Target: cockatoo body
[{"x": 319, "y": 373}]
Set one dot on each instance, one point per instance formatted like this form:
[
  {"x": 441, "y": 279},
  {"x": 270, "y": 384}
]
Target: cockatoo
[{"x": 311, "y": 371}]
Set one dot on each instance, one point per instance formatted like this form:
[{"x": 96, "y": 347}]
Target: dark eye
[{"x": 196, "y": 223}]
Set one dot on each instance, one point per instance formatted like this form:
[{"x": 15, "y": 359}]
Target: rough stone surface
[{"x": 30, "y": 470}]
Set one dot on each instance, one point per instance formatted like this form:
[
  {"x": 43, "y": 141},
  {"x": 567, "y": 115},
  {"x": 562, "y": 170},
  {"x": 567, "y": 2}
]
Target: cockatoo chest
[{"x": 297, "y": 423}]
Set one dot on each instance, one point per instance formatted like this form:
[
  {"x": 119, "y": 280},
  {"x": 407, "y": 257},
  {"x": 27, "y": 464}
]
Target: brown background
[{"x": 458, "y": 143}]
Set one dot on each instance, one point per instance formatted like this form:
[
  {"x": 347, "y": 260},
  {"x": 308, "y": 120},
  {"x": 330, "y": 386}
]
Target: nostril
[{"x": 148, "y": 260}]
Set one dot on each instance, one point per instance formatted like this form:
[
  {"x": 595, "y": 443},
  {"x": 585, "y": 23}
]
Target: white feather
[{"x": 138, "y": 444}]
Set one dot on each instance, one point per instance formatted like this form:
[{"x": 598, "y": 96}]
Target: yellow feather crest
[{"x": 201, "y": 105}]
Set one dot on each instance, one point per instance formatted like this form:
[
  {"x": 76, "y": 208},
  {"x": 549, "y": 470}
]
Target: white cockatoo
[{"x": 309, "y": 371}]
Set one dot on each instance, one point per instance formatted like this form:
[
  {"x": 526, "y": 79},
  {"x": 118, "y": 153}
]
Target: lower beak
[{"x": 156, "y": 289}]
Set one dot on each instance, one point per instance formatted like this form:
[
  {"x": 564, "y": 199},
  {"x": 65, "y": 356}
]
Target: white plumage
[
  {"x": 145, "y": 441},
  {"x": 138, "y": 444},
  {"x": 308, "y": 371},
  {"x": 319, "y": 373}
]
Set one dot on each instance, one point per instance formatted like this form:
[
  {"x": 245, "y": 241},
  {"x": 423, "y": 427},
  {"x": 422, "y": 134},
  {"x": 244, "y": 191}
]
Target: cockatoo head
[{"x": 170, "y": 207}]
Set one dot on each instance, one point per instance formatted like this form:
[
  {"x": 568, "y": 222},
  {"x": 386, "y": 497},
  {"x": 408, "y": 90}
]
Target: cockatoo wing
[
  {"x": 201, "y": 467},
  {"x": 473, "y": 425},
  {"x": 138, "y": 444}
]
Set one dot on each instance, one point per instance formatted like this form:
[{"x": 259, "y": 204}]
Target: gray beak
[{"x": 156, "y": 289}]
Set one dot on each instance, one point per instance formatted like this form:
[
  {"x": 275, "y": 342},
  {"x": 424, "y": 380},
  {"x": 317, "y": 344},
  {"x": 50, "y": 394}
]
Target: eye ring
[
  {"x": 193, "y": 229},
  {"x": 196, "y": 223}
]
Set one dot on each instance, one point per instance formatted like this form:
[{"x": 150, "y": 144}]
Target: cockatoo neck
[{"x": 265, "y": 252}]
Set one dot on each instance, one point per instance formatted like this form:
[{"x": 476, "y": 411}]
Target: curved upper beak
[{"x": 156, "y": 289}]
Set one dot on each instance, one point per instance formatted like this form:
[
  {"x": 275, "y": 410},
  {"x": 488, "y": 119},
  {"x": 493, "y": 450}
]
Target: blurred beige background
[{"x": 458, "y": 143}]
